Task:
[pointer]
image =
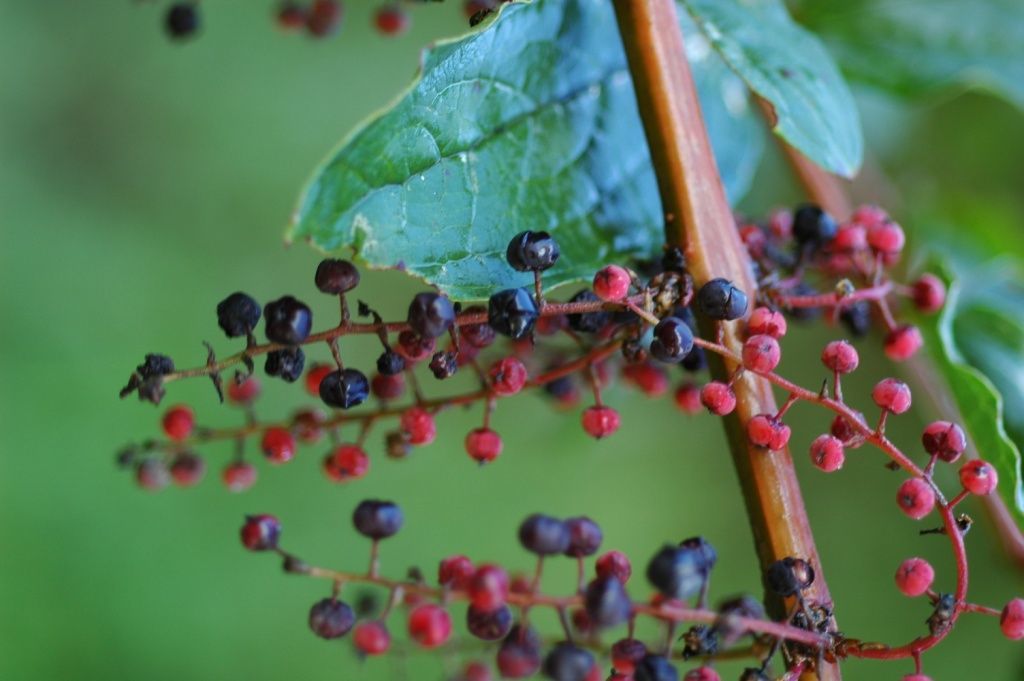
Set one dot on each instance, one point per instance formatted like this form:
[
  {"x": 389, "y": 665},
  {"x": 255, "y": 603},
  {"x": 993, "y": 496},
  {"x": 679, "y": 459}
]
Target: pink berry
[
  {"x": 764, "y": 320},
  {"x": 687, "y": 398},
  {"x": 507, "y": 376},
  {"x": 850, "y": 238},
  {"x": 892, "y": 394},
  {"x": 945, "y": 440},
  {"x": 483, "y": 444},
  {"x": 455, "y": 572},
  {"x": 600, "y": 422},
  {"x": 260, "y": 532},
  {"x": 914, "y": 577},
  {"x": 1011, "y": 621},
  {"x": 187, "y": 469},
  {"x": 346, "y": 462},
  {"x": 827, "y": 453},
  {"x": 843, "y": 429},
  {"x": 386, "y": 387},
  {"x": 840, "y": 356},
  {"x": 430, "y": 625},
  {"x": 916, "y": 498},
  {"x": 887, "y": 237},
  {"x": 316, "y": 373},
  {"x": 239, "y": 476},
  {"x": 718, "y": 398},
  {"x": 869, "y": 216},
  {"x": 780, "y": 224},
  {"x": 928, "y": 293},
  {"x": 764, "y": 430},
  {"x": 979, "y": 477},
  {"x": 278, "y": 445},
  {"x": 371, "y": 638},
  {"x": 614, "y": 564},
  {"x": 244, "y": 392},
  {"x": 754, "y": 239},
  {"x": 488, "y": 589},
  {"x": 902, "y": 342},
  {"x": 419, "y": 425},
  {"x": 611, "y": 283},
  {"x": 649, "y": 378},
  {"x": 702, "y": 674},
  {"x": 916, "y": 677},
  {"x": 761, "y": 353},
  {"x": 178, "y": 422},
  {"x": 391, "y": 20}
]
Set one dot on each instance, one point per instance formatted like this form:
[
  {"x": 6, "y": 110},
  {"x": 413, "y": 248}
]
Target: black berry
[
  {"x": 336, "y": 276},
  {"x": 719, "y": 299},
  {"x": 390, "y": 363},
  {"x": 344, "y": 388},
  {"x": 812, "y": 226},
  {"x": 673, "y": 340},
  {"x": 286, "y": 364},
  {"x": 856, "y": 317},
  {"x": 589, "y": 322},
  {"x": 606, "y": 602},
  {"x": 488, "y": 625},
  {"x": 155, "y": 365},
  {"x": 331, "y": 618},
  {"x": 431, "y": 314},
  {"x": 443, "y": 365},
  {"x": 566, "y": 662},
  {"x": 288, "y": 320},
  {"x": 377, "y": 519},
  {"x": 673, "y": 260},
  {"x": 238, "y": 314},
  {"x": 655, "y": 668},
  {"x": 532, "y": 251},
  {"x": 182, "y": 20},
  {"x": 695, "y": 361},
  {"x": 544, "y": 535},
  {"x": 677, "y": 572},
  {"x": 584, "y": 537},
  {"x": 512, "y": 312},
  {"x": 788, "y": 576}
]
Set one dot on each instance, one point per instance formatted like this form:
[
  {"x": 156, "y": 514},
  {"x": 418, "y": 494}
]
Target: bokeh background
[{"x": 141, "y": 181}]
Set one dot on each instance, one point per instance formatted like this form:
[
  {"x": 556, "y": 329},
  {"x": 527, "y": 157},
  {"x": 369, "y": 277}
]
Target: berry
[
  {"x": 673, "y": 340},
  {"x": 377, "y": 519},
  {"x": 238, "y": 314},
  {"x": 914, "y": 577},
  {"x": 483, "y": 445},
  {"x": 239, "y": 476},
  {"x": 764, "y": 320},
  {"x": 443, "y": 365},
  {"x": 979, "y": 477},
  {"x": 178, "y": 422},
  {"x": 788, "y": 576},
  {"x": 564, "y": 390},
  {"x": 587, "y": 322},
  {"x": 335, "y": 276},
  {"x": 600, "y": 422},
  {"x": 944, "y": 439},
  {"x": 308, "y": 424},
  {"x": 886, "y": 238},
  {"x": 390, "y": 363},
  {"x": 827, "y": 453},
  {"x": 764, "y": 430},
  {"x": 430, "y": 625},
  {"x": 278, "y": 445},
  {"x": 584, "y": 537},
  {"x": 650, "y": 379},
  {"x": 761, "y": 353},
  {"x": 718, "y": 398},
  {"x": 413, "y": 347},
  {"x": 702, "y": 674},
  {"x": 488, "y": 589},
  {"x": 323, "y": 18},
  {"x": 626, "y": 653},
  {"x": 780, "y": 224},
  {"x": 260, "y": 532},
  {"x": 344, "y": 388},
  {"x": 606, "y": 602},
  {"x": 902, "y": 342},
  {"x": 152, "y": 474},
  {"x": 330, "y": 618},
  {"x": 488, "y": 625},
  {"x": 346, "y": 462},
  {"x": 187, "y": 469},
  {"x": 419, "y": 425},
  {"x": 850, "y": 238},
  {"x": 655, "y": 668},
  {"x": 677, "y": 572},
  {"x": 687, "y": 398},
  {"x": 371, "y": 638},
  {"x": 611, "y": 283},
  {"x": 314, "y": 376},
  {"x": 532, "y": 251},
  {"x": 614, "y": 564},
  {"x": 431, "y": 314},
  {"x": 719, "y": 299},
  {"x": 288, "y": 321},
  {"x": 928, "y": 293},
  {"x": 244, "y": 391},
  {"x": 1011, "y": 621},
  {"x": 182, "y": 20},
  {"x": 475, "y": 671},
  {"x": 840, "y": 356},
  {"x": 519, "y": 655},
  {"x": 566, "y": 662},
  {"x": 869, "y": 216},
  {"x": 391, "y": 20},
  {"x": 512, "y": 312},
  {"x": 477, "y": 335},
  {"x": 291, "y": 16},
  {"x": 155, "y": 365},
  {"x": 915, "y": 498},
  {"x": 892, "y": 394},
  {"x": 286, "y": 364},
  {"x": 455, "y": 572},
  {"x": 697, "y": 360},
  {"x": 812, "y": 226},
  {"x": 507, "y": 376},
  {"x": 856, "y": 318},
  {"x": 843, "y": 429},
  {"x": 544, "y": 535}
]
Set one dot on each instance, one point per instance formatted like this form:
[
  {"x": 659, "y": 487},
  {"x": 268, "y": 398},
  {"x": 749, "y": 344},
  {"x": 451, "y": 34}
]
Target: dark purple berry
[
  {"x": 331, "y": 618},
  {"x": 589, "y": 322},
  {"x": 544, "y": 535},
  {"x": 584, "y": 537},
  {"x": 431, "y": 314},
  {"x": 519, "y": 655},
  {"x": 695, "y": 361},
  {"x": 673, "y": 260},
  {"x": 856, "y": 317},
  {"x": 606, "y": 602},
  {"x": 719, "y": 299},
  {"x": 155, "y": 365},
  {"x": 566, "y": 662},
  {"x": 288, "y": 320},
  {"x": 512, "y": 312},
  {"x": 390, "y": 363},
  {"x": 443, "y": 365},
  {"x": 238, "y": 314},
  {"x": 677, "y": 572},
  {"x": 655, "y": 668},
  {"x": 478, "y": 335},
  {"x": 532, "y": 251},
  {"x": 285, "y": 364},
  {"x": 673, "y": 340},
  {"x": 260, "y": 532},
  {"x": 489, "y": 625},
  {"x": 706, "y": 552},
  {"x": 812, "y": 226},
  {"x": 344, "y": 388},
  {"x": 377, "y": 519},
  {"x": 804, "y": 314},
  {"x": 182, "y": 20},
  {"x": 788, "y": 576},
  {"x": 336, "y": 276}
]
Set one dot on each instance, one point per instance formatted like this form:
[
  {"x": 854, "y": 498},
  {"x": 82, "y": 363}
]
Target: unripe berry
[
  {"x": 606, "y": 602},
  {"x": 544, "y": 535},
  {"x": 386, "y": 387},
  {"x": 718, "y": 398},
  {"x": 928, "y": 293},
  {"x": 391, "y": 20},
  {"x": 152, "y": 475},
  {"x": 945, "y": 440},
  {"x": 346, "y": 462},
  {"x": 614, "y": 564},
  {"x": 840, "y": 356},
  {"x": 419, "y": 425},
  {"x": 430, "y": 625},
  {"x": 238, "y": 314},
  {"x": 902, "y": 342},
  {"x": 239, "y": 476},
  {"x": 655, "y": 668},
  {"x": 323, "y": 18},
  {"x": 371, "y": 638},
  {"x": 626, "y": 654},
  {"x": 827, "y": 453},
  {"x": 334, "y": 276},
  {"x": 455, "y": 572},
  {"x": 702, "y": 674},
  {"x": 288, "y": 321},
  {"x": 850, "y": 238},
  {"x": 761, "y": 353},
  {"x": 291, "y": 16},
  {"x": 916, "y": 498},
  {"x": 566, "y": 662},
  {"x": 245, "y": 392},
  {"x": 755, "y": 240},
  {"x": 764, "y": 320},
  {"x": 475, "y": 671},
  {"x": 187, "y": 469},
  {"x": 178, "y": 422},
  {"x": 719, "y": 299},
  {"x": 330, "y": 618},
  {"x": 488, "y": 625},
  {"x": 344, "y": 388},
  {"x": 916, "y": 677},
  {"x": 979, "y": 477},
  {"x": 687, "y": 398},
  {"x": 412, "y": 347},
  {"x": 764, "y": 430},
  {"x": 611, "y": 283},
  {"x": 519, "y": 655},
  {"x": 600, "y": 422},
  {"x": 260, "y": 532},
  {"x": 488, "y": 589},
  {"x": 1011, "y": 621},
  {"x": 314, "y": 376},
  {"x": 278, "y": 445},
  {"x": 585, "y": 537},
  {"x": 483, "y": 445},
  {"x": 892, "y": 394},
  {"x": 532, "y": 251},
  {"x": 309, "y": 425},
  {"x": 887, "y": 237},
  {"x": 376, "y": 519},
  {"x": 914, "y": 577},
  {"x": 650, "y": 379},
  {"x": 869, "y": 216},
  {"x": 507, "y": 376}
]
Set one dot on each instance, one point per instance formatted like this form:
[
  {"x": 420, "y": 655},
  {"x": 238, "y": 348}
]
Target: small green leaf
[
  {"x": 529, "y": 123},
  {"x": 791, "y": 70}
]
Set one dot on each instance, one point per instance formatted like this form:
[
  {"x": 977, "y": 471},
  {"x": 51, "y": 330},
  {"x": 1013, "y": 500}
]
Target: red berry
[
  {"x": 902, "y": 342},
  {"x": 754, "y": 239},
  {"x": 507, "y": 376},
  {"x": 764, "y": 430},
  {"x": 239, "y": 476},
  {"x": 626, "y": 655},
  {"x": 308, "y": 424},
  {"x": 979, "y": 477},
  {"x": 475, "y": 671},
  {"x": 323, "y": 17},
  {"x": 419, "y": 425},
  {"x": 600, "y": 422},
  {"x": 840, "y": 356},
  {"x": 1011, "y": 621},
  {"x": 278, "y": 445},
  {"x": 387, "y": 387},
  {"x": 945, "y": 440},
  {"x": 430, "y": 625},
  {"x": 178, "y": 422},
  {"x": 914, "y": 577},
  {"x": 649, "y": 378},
  {"x": 152, "y": 475},
  {"x": 916, "y": 498},
  {"x": 291, "y": 16},
  {"x": 455, "y": 572},
  {"x": 346, "y": 462},
  {"x": 371, "y": 637},
  {"x": 687, "y": 398},
  {"x": 916, "y": 677},
  {"x": 260, "y": 532},
  {"x": 827, "y": 453},
  {"x": 614, "y": 564},
  {"x": 869, "y": 216},
  {"x": 483, "y": 444},
  {"x": 488, "y": 589},
  {"x": 316, "y": 373},
  {"x": 843, "y": 428},
  {"x": 928, "y": 293},
  {"x": 611, "y": 283},
  {"x": 761, "y": 353},
  {"x": 780, "y": 224},
  {"x": 702, "y": 674},
  {"x": 886, "y": 238},
  {"x": 244, "y": 392},
  {"x": 892, "y": 394},
  {"x": 391, "y": 20},
  {"x": 718, "y": 398},
  {"x": 764, "y": 320},
  {"x": 850, "y": 238},
  {"x": 187, "y": 469},
  {"x": 413, "y": 348}
]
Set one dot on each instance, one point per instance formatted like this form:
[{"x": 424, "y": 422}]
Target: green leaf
[
  {"x": 529, "y": 123},
  {"x": 791, "y": 70},
  {"x": 914, "y": 47}
]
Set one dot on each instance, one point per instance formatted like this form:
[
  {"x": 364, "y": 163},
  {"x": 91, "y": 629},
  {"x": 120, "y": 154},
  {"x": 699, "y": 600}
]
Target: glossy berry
[
  {"x": 390, "y": 363},
  {"x": 702, "y": 674},
  {"x": 902, "y": 342},
  {"x": 182, "y": 20},
  {"x": 764, "y": 430},
  {"x": 719, "y": 299},
  {"x": 178, "y": 422},
  {"x": 585, "y": 537},
  {"x": 532, "y": 251},
  {"x": 687, "y": 398},
  {"x": 419, "y": 425},
  {"x": 344, "y": 388},
  {"x": 718, "y": 398},
  {"x": 626, "y": 654},
  {"x": 840, "y": 356},
  {"x": 244, "y": 392},
  {"x": 944, "y": 439},
  {"x": 286, "y": 364},
  {"x": 507, "y": 376},
  {"x": 512, "y": 312},
  {"x": 655, "y": 668},
  {"x": 764, "y": 320},
  {"x": 611, "y": 283},
  {"x": 827, "y": 453},
  {"x": 330, "y": 618},
  {"x": 334, "y": 276},
  {"x": 260, "y": 532},
  {"x": 812, "y": 226},
  {"x": 979, "y": 477},
  {"x": 431, "y": 314},
  {"x": 323, "y": 18},
  {"x": 761, "y": 353},
  {"x": 519, "y": 655},
  {"x": 187, "y": 469},
  {"x": 788, "y": 576},
  {"x": 1011, "y": 621},
  {"x": 455, "y": 572},
  {"x": 430, "y": 625},
  {"x": 413, "y": 347},
  {"x": 587, "y": 322},
  {"x": 606, "y": 602},
  {"x": 346, "y": 462},
  {"x": 278, "y": 445},
  {"x": 152, "y": 475},
  {"x": 488, "y": 589},
  {"x": 600, "y": 422},
  {"x": 614, "y": 564},
  {"x": 488, "y": 625},
  {"x": 314, "y": 376},
  {"x": 544, "y": 535},
  {"x": 914, "y": 577},
  {"x": 915, "y": 498},
  {"x": 483, "y": 445},
  {"x": 377, "y": 519},
  {"x": 371, "y": 637},
  {"x": 677, "y": 572},
  {"x": 239, "y": 476},
  {"x": 288, "y": 320},
  {"x": 238, "y": 314},
  {"x": 887, "y": 237},
  {"x": 391, "y": 20},
  {"x": 892, "y": 395},
  {"x": 672, "y": 341},
  {"x": 928, "y": 293},
  {"x": 566, "y": 662}
]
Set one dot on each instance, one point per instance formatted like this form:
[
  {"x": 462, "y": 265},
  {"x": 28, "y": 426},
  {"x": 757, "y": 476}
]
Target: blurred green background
[{"x": 141, "y": 181}]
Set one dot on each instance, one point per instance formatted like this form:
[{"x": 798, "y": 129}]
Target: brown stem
[{"x": 698, "y": 218}]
